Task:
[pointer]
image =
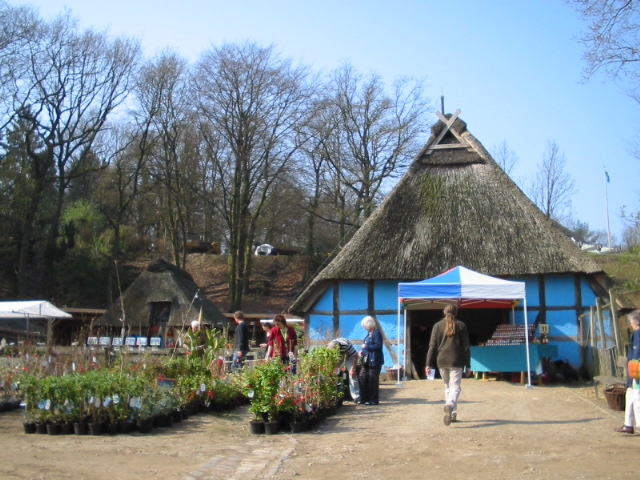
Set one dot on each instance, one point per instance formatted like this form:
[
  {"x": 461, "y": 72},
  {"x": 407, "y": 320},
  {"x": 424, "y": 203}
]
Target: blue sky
[{"x": 513, "y": 68}]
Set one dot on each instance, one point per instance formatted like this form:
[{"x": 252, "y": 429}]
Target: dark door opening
[
  {"x": 158, "y": 319},
  {"x": 481, "y": 323}
]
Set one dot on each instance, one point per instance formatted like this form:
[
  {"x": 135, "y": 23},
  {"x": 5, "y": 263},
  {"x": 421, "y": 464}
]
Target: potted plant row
[
  {"x": 280, "y": 400},
  {"x": 117, "y": 401}
]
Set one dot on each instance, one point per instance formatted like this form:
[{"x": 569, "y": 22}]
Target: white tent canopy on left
[
  {"x": 20, "y": 317},
  {"x": 31, "y": 309}
]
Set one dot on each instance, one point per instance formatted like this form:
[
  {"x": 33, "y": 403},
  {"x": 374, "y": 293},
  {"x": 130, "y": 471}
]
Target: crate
[{"x": 615, "y": 396}]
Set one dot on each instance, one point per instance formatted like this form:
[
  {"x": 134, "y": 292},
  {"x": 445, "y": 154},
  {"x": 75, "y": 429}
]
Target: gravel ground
[{"x": 505, "y": 431}]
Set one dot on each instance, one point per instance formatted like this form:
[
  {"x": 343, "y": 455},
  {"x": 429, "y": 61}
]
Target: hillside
[
  {"x": 274, "y": 284},
  {"x": 623, "y": 270},
  {"x": 277, "y": 281}
]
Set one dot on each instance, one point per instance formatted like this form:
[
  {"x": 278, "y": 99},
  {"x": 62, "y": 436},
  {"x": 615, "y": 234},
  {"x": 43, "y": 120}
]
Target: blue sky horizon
[{"x": 514, "y": 69}]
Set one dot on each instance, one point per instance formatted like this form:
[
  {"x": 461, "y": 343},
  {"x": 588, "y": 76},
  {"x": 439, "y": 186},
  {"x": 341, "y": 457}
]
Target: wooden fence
[{"x": 603, "y": 341}]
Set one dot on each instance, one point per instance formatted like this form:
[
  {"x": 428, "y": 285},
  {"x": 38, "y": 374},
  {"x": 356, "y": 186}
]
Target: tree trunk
[{"x": 25, "y": 244}]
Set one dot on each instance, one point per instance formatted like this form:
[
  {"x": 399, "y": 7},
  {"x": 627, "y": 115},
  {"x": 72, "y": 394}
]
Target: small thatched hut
[
  {"x": 454, "y": 206},
  {"x": 163, "y": 300}
]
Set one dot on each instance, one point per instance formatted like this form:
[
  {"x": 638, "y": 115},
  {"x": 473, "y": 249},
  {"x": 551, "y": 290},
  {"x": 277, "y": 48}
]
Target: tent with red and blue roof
[{"x": 467, "y": 289}]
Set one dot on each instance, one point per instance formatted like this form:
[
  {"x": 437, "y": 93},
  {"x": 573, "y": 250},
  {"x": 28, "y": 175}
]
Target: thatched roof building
[
  {"x": 164, "y": 295},
  {"x": 454, "y": 206}
]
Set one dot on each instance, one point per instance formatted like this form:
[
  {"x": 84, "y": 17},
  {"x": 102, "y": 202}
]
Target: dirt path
[{"x": 505, "y": 431}]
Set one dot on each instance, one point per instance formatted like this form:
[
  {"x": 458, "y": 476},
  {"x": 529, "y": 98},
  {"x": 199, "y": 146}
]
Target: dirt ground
[{"x": 505, "y": 431}]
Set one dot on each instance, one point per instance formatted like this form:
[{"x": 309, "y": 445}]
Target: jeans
[
  {"x": 354, "y": 383},
  {"x": 452, "y": 378},
  {"x": 238, "y": 362}
]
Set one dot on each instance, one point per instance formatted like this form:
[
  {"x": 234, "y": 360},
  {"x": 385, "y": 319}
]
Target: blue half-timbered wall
[{"x": 557, "y": 300}]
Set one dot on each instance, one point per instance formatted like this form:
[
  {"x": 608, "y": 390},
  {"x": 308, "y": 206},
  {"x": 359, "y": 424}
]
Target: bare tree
[
  {"x": 505, "y": 157},
  {"x": 612, "y": 45},
  {"x": 164, "y": 102},
  {"x": 612, "y": 39},
  {"x": 631, "y": 233},
  {"x": 68, "y": 84},
  {"x": 20, "y": 29},
  {"x": 324, "y": 153},
  {"x": 378, "y": 132},
  {"x": 254, "y": 102},
  {"x": 552, "y": 187},
  {"x": 119, "y": 186}
]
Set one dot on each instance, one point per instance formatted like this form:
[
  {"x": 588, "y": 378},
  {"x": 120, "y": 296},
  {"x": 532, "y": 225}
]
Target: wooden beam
[
  {"x": 447, "y": 126},
  {"x": 387, "y": 343},
  {"x": 449, "y": 146}
]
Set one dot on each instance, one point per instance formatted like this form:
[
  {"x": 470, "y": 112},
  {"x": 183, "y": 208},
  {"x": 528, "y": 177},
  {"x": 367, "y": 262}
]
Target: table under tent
[{"x": 480, "y": 298}]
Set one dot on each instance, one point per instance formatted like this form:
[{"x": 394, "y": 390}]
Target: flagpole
[{"x": 606, "y": 201}]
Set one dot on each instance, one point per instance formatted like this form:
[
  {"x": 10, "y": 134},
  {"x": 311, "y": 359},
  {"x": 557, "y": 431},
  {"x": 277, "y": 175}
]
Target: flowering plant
[{"x": 262, "y": 385}]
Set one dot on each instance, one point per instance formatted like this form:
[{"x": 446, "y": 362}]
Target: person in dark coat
[
  {"x": 371, "y": 361},
  {"x": 450, "y": 352},
  {"x": 632, "y": 396},
  {"x": 241, "y": 341}
]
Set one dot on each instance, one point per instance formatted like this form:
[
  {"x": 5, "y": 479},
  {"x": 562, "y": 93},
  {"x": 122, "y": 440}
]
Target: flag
[{"x": 606, "y": 176}]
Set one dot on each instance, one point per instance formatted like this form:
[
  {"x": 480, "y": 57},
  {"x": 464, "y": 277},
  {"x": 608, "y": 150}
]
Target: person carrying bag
[{"x": 371, "y": 361}]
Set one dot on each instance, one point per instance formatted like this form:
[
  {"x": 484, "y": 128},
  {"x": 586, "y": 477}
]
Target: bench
[{"x": 607, "y": 380}]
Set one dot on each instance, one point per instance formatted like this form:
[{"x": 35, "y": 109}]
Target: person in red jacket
[{"x": 283, "y": 341}]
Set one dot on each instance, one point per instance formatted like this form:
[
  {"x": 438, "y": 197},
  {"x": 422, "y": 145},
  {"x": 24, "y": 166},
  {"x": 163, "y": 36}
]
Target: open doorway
[
  {"x": 481, "y": 323},
  {"x": 158, "y": 319}
]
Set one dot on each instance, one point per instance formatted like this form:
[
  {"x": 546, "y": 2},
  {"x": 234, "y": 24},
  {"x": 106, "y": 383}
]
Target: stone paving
[{"x": 243, "y": 463}]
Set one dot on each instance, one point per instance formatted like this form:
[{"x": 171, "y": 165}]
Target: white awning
[{"x": 31, "y": 309}]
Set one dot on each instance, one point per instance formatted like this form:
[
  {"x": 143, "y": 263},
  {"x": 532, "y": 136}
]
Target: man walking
[{"x": 241, "y": 341}]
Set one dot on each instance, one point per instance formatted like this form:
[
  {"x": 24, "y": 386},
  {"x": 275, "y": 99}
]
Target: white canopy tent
[
  {"x": 468, "y": 289},
  {"x": 31, "y": 309}
]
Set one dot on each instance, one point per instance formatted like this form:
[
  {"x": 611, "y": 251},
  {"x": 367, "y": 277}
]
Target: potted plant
[
  {"x": 28, "y": 386},
  {"x": 146, "y": 409},
  {"x": 263, "y": 384}
]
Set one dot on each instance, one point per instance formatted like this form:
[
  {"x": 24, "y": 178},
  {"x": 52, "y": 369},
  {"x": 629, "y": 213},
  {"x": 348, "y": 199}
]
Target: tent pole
[
  {"x": 404, "y": 343},
  {"x": 526, "y": 342},
  {"x": 398, "y": 383}
]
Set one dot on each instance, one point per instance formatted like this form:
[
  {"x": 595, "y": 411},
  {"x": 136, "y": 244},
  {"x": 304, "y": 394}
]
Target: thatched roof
[
  {"x": 454, "y": 206},
  {"x": 162, "y": 282}
]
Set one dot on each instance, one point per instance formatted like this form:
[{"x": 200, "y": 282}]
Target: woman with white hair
[
  {"x": 196, "y": 338},
  {"x": 371, "y": 361}
]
